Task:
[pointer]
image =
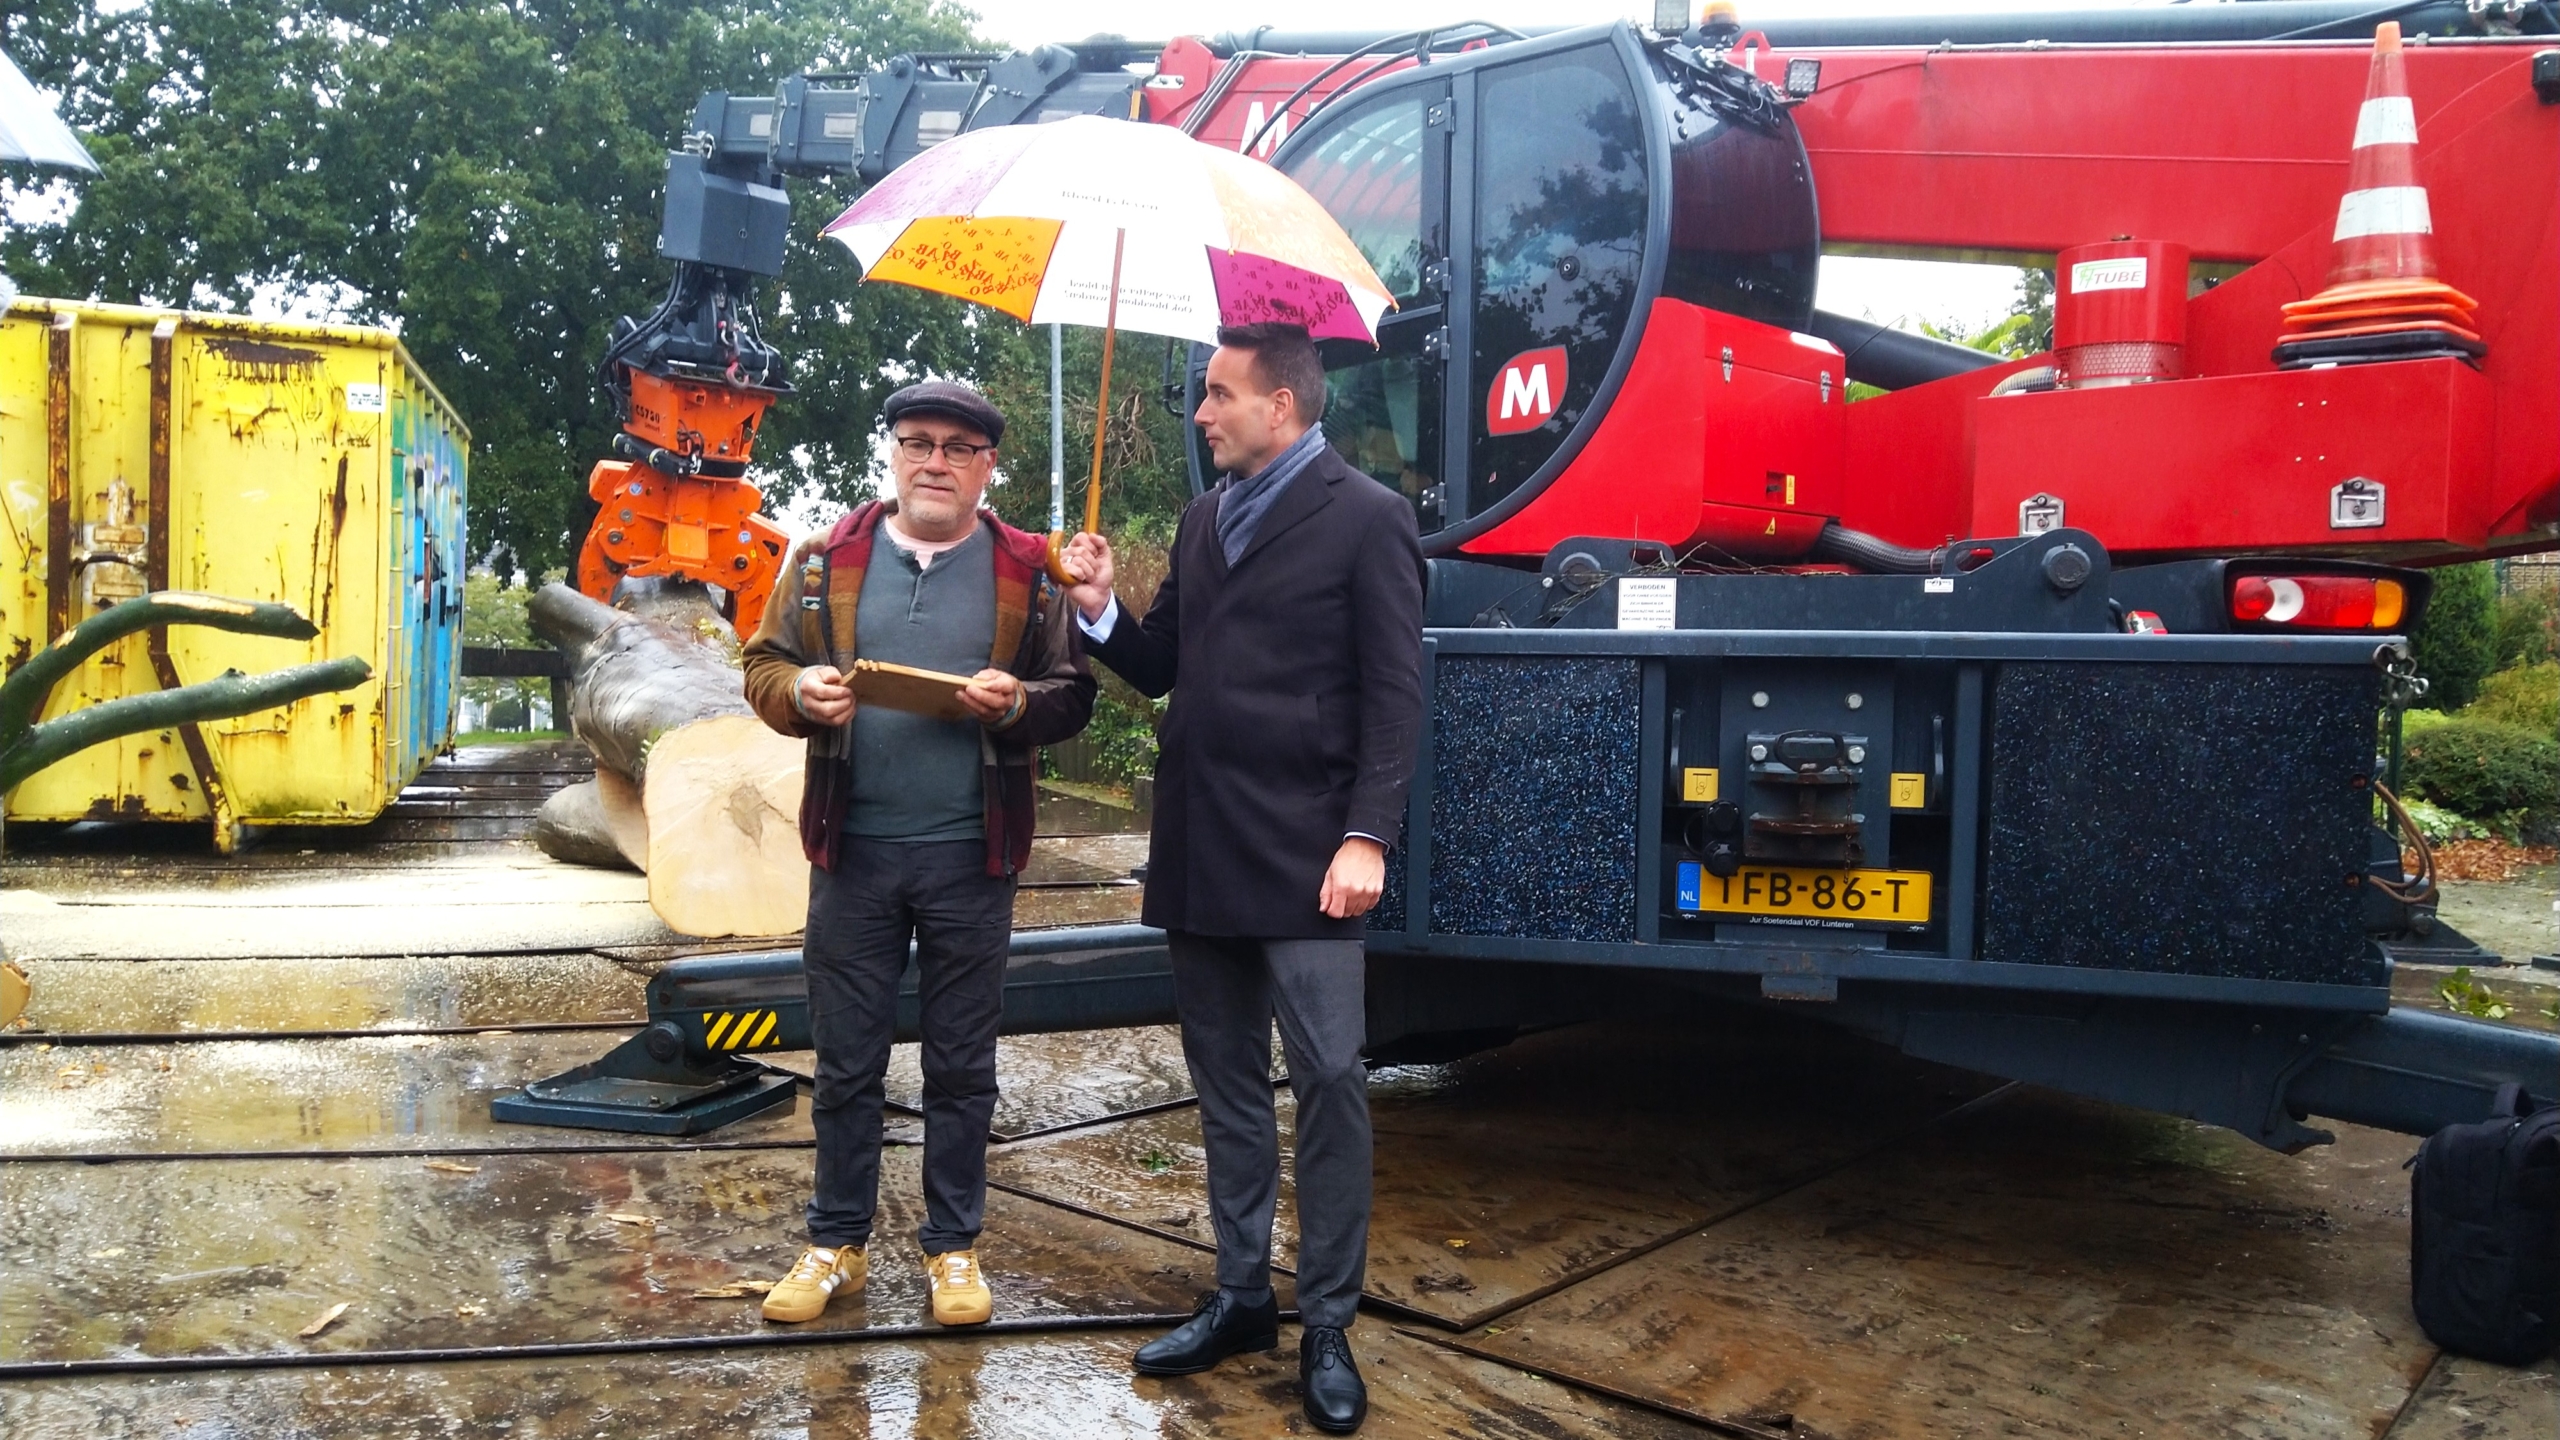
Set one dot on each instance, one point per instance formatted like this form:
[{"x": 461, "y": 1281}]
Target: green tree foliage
[
  {"x": 2456, "y": 643},
  {"x": 1146, "y": 481},
  {"x": 484, "y": 175},
  {"x": 2528, "y": 625},
  {"x": 2033, "y": 310},
  {"x": 493, "y": 615}
]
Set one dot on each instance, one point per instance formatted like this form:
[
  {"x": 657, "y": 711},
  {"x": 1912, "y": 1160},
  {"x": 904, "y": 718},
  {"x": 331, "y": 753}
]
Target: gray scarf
[{"x": 1243, "y": 503}]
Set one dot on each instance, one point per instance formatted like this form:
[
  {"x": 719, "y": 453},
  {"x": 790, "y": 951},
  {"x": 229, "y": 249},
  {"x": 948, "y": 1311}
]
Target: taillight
[{"x": 2319, "y": 602}]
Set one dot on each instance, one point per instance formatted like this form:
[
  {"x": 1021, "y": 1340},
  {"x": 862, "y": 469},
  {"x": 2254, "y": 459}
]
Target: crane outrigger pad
[{"x": 627, "y": 1090}]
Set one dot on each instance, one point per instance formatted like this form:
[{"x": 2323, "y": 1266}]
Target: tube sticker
[{"x": 2128, "y": 272}]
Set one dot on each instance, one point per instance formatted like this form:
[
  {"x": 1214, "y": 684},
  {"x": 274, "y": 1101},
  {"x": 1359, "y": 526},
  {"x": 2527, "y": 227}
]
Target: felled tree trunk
[
  {"x": 718, "y": 794},
  {"x": 632, "y": 679},
  {"x": 595, "y": 822}
]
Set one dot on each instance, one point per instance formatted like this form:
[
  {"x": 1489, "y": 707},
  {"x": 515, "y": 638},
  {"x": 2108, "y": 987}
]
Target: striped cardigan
[{"x": 811, "y": 621}]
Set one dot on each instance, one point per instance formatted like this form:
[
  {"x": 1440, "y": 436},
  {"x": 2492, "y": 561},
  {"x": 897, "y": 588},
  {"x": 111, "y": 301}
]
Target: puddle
[
  {"x": 211, "y": 1257},
  {"x": 286, "y": 1095}
]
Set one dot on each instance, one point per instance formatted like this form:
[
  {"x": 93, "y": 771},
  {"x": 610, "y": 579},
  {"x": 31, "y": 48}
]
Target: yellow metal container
[{"x": 310, "y": 464}]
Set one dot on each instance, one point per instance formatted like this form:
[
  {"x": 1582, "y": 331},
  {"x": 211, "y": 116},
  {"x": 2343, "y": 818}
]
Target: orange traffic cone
[{"x": 2384, "y": 301}]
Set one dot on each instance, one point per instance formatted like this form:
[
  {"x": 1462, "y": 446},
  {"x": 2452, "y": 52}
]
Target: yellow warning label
[
  {"x": 711, "y": 1036},
  {"x": 1698, "y": 787},
  {"x": 1910, "y": 791}
]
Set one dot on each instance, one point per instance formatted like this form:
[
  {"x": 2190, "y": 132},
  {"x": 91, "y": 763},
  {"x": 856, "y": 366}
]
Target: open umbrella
[
  {"x": 29, "y": 130},
  {"x": 1089, "y": 221}
]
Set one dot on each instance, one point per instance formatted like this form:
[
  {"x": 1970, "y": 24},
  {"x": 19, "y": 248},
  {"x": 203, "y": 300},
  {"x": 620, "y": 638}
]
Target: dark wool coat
[{"x": 1297, "y": 702}]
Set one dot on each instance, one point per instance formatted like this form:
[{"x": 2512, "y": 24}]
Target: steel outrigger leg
[{"x": 687, "y": 1072}]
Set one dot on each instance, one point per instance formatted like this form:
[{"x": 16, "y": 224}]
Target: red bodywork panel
[
  {"x": 2238, "y": 151},
  {"x": 1744, "y": 460}
]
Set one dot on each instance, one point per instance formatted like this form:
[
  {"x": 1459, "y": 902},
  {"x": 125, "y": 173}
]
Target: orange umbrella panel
[{"x": 997, "y": 262}]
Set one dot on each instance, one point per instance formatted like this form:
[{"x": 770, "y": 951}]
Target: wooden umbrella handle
[{"x": 1101, "y": 419}]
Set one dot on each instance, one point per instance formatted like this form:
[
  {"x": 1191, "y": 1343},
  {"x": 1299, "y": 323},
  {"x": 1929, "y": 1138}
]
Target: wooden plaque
[{"x": 904, "y": 687}]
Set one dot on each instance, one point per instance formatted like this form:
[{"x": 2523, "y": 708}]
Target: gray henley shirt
[{"x": 915, "y": 778}]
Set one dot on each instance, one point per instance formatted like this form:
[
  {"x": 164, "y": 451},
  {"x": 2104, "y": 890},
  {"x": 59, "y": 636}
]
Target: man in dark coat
[{"x": 1291, "y": 622}]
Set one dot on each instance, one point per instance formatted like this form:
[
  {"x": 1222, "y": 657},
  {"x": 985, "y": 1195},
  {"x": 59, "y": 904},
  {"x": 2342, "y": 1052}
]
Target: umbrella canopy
[
  {"x": 29, "y": 130},
  {"x": 1036, "y": 221}
]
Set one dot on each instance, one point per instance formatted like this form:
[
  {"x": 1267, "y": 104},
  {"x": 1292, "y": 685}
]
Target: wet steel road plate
[
  {"x": 1047, "y": 1081},
  {"x": 390, "y": 1093},
  {"x": 1064, "y": 1387},
  {"x": 1512, "y": 1172},
  {"x": 2043, "y": 1265},
  {"x": 213, "y": 1257},
  {"x": 162, "y": 996}
]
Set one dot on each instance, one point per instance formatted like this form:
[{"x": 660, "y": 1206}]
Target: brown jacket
[{"x": 810, "y": 621}]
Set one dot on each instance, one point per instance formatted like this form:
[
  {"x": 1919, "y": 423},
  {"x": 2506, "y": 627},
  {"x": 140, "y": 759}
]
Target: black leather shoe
[
  {"x": 1336, "y": 1400},
  {"x": 1220, "y": 1327}
]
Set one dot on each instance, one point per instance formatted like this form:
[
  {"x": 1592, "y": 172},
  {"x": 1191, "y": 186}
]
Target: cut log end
[{"x": 723, "y": 808}]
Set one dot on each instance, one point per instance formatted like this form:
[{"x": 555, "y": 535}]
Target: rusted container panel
[{"x": 310, "y": 464}]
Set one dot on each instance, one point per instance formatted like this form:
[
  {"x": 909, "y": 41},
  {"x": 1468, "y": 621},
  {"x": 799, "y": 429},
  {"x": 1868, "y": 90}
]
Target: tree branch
[
  {"x": 221, "y": 698},
  {"x": 23, "y": 695}
]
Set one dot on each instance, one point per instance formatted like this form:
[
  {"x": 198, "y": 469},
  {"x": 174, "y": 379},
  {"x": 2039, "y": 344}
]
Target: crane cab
[{"x": 1602, "y": 249}]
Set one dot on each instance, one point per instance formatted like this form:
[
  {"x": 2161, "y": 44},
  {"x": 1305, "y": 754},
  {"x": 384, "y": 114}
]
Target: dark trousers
[
  {"x": 1228, "y": 991},
  {"x": 861, "y": 916}
]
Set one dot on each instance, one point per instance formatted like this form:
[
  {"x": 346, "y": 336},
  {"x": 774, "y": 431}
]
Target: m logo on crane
[
  {"x": 1254, "y": 119},
  {"x": 1524, "y": 392}
]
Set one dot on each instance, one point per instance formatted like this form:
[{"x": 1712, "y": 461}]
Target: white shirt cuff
[
  {"x": 1378, "y": 840},
  {"x": 1099, "y": 631}
]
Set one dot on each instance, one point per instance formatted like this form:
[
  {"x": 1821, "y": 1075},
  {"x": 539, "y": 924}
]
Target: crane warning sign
[{"x": 1524, "y": 392}]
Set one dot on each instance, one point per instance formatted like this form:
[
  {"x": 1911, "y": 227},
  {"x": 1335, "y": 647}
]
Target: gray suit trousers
[{"x": 1228, "y": 991}]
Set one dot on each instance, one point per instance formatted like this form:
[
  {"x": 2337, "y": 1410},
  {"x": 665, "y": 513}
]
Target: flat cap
[{"x": 947, "y": 398}]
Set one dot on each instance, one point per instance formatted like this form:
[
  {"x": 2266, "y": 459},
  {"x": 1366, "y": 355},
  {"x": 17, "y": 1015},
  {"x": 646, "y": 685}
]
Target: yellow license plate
[{"x": 1855, "y": 897}]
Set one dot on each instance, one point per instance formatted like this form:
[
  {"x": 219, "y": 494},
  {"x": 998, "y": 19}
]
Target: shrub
[
  {"x": 2504, "y": 776},
  {"x": 2457, "y": 641},
  {"x": 1123, "y": 732},
  {"x": 2413, "y": 722},
  {"x": 2439, "y": 825},
  {"x": 2527, "y": 697},
  {"x": 2528, "y": 628}
]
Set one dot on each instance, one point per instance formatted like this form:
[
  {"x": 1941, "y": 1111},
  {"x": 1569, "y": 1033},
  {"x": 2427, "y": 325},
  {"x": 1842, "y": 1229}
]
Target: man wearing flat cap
[{"x": 916, "y": 827}]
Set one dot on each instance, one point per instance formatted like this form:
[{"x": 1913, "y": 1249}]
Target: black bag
[{"x": 2484, "y": 1233}]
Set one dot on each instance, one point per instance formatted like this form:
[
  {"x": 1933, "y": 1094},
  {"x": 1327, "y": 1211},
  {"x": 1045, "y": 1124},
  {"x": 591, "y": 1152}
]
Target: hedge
[{"x": 2500, "y": 774}]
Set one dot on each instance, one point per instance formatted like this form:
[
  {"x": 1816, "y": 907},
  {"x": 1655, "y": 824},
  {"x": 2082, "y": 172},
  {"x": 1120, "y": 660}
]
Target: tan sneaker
[
  {"x": 803, "y": 1293},
  {"x": 960, "y": 1294}
]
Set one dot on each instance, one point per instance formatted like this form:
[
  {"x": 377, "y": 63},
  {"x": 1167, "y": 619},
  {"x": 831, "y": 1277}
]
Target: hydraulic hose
[
  {"x": 1891, "y": 359},
  {"x": 1873, "y": 553}
]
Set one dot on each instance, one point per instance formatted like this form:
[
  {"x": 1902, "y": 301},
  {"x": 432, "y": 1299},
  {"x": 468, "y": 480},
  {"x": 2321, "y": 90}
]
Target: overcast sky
[{"x": 1959, "y": 296}]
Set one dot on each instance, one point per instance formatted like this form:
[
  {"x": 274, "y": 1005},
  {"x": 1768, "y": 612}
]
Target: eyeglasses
[{"x": 959, "y": 452}]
